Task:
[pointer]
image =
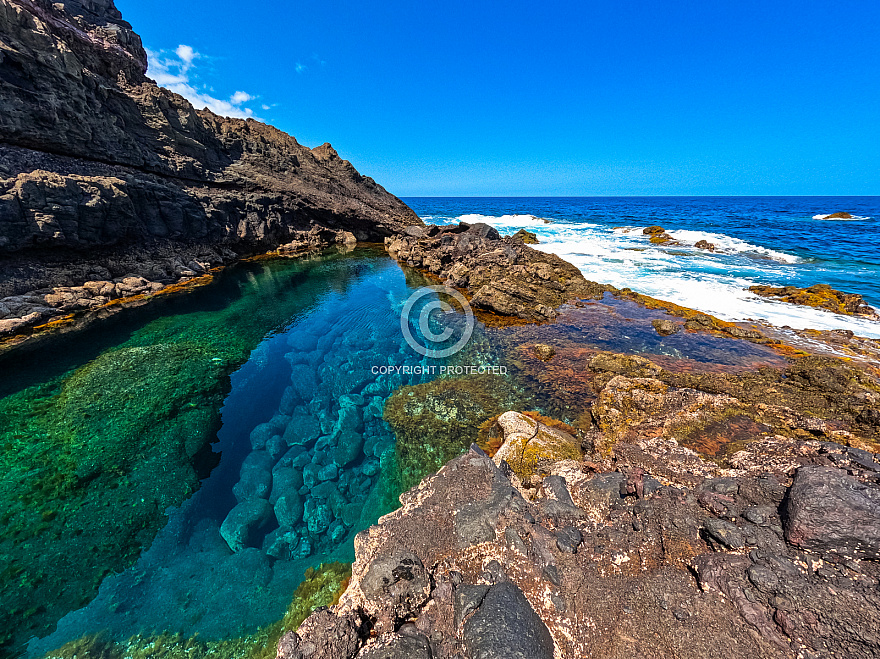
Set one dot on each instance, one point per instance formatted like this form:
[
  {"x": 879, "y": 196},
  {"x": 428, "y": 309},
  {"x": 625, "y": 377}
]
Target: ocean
[{"x": 777, "y": 241}]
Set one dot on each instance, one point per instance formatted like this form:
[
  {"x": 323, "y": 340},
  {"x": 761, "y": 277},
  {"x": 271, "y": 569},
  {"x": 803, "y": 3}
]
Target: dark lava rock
[
  {"x": 399, "y": 646},
  {"x": 322, "y": 636},
  {"x": 506, "y": 627},
  {"x": 132, "y": 179},
  {"x": 503, "y": 275},
  {"x": 830, "y": 511},
  {"x": 399, "y": 582},
  {"x": 705, "y": 244}
]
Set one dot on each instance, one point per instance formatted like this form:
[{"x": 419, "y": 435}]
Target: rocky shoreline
[
  {"x": 111, "y": 186},
  {"x": 614, "y": 538}
]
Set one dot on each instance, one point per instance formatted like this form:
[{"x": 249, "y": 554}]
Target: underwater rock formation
[
  {"x": 105, "y": 177},
  {"x": 436, "y": 421}
]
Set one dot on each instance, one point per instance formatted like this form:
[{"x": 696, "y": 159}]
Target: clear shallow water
[
  {"x": 274, "y": 363},
  {"x": 760, "y": 240}
]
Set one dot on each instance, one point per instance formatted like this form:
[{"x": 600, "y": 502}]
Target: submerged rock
[
  {"x": 436, "y": 421},
  {"x": 243, "y": 524}
]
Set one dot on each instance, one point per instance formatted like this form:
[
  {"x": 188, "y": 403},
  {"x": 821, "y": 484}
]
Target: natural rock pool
[
  {"x": 178, "y": 467},
  {"x": 258, "y": 393}
]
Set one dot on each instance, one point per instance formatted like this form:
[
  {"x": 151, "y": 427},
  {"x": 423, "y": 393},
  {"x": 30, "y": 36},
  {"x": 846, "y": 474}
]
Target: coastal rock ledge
[
  {"x": 104, "y": 176},
  {"x": 654, "y": 553}
]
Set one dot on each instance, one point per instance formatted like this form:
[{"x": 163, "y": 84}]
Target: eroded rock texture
[
  {"x": 614, "y": 563},
  {"x": 503, "y": 274},
  {"x": 105, "y": 175}
]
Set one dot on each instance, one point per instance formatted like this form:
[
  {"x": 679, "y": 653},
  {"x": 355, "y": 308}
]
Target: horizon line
[{"x": 637, "y": 196}]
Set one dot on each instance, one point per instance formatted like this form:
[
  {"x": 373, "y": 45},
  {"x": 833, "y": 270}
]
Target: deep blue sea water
[{"x": 759, "y": 240}]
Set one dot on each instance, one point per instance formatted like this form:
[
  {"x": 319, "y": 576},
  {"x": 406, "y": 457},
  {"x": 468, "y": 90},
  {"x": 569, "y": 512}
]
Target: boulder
[
  {"x": 302, "y": 430},
  {"x": 285, "y": 480},
  {"x": 505, "y": 626},
  {"x": 349, "y": 448},
  {"x": 665, "y": 327},
  {"x": 530, "y": 445},
  {"x": 396, "y": 584},
  {"x": 830, "y": 511},
  {"x": 244, "y": 523},
  {"x": 653, "y": 230},
  {"x": 705, "y": 244},
  {"x": 289, "y": 509},
  {"x": 526, "y": 237}
]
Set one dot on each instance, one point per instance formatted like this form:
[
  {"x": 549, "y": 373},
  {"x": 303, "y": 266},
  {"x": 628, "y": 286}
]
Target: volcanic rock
[{"x": 103, "y": 172}]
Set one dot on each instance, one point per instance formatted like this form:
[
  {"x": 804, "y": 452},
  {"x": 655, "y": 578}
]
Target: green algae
[
  {"x": 322, "y": 586},
  {"x": 436, "y": 421},
  {"x": 97, "y": 445}
]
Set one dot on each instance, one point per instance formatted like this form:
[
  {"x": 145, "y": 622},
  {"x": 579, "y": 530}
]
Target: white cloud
[
  {"x": 300, "y": 67},
  {"x": 173, "y": 71},
  {"x": 186, "y": 53}
]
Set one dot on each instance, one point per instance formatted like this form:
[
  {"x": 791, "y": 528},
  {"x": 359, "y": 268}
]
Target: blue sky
[{"x": 558, "y": 98}]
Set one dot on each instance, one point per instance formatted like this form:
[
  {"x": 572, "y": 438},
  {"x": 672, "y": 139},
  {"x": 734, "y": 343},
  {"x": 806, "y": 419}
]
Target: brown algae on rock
[
  {"x": 438, "y": 420},
  {"x": 530, "y": 446}
]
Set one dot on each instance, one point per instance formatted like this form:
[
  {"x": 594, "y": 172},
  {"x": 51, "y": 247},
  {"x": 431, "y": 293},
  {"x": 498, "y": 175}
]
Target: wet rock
[
  {"x": 665, "y": 327},
  {"x": 820, "y": 296},
  {"x": 543, "y": 351},
  {"x": 504, "y": 275},
  {"x": 830, "y": 511},
  {"x": 244, "y": 523},
  {"x": 653, "y": 230},
  {"x": 289, "y": 509},
  {"x": 705, "y": 244},
  {"x": 839, "y": 215},
  {"x": 526, "y": 237},
  {"x": 505, "y": 626},
  {"x": 329, "y": 472},
  {"x": 302, "y": 430}
]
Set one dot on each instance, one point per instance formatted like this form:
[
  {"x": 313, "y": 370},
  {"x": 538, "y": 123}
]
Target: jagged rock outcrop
[
  {"x": 615, "y": 560},
  {"x": 503, "y": 274},
  {"x": 104, "y": 175},
  {"x": 819, "y": 296}
]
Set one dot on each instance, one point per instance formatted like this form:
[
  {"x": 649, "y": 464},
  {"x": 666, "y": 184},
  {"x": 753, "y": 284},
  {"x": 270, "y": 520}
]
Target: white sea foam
[
  {"x": 713, "y": 282},
  {"x": 731, "y": 245}
]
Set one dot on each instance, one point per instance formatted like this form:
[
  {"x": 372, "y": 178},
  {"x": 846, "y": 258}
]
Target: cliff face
[{"x": 103, "y": 174}]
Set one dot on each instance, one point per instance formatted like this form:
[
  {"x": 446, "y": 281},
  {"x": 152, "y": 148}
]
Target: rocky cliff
[{"x": 106, "y": 176}]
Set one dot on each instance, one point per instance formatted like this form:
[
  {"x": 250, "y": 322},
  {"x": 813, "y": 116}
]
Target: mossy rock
[
  {"x": 531, "y": 447},
  {"x": 436, "y": 421},
  {"x": 526, "y": 237}
]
